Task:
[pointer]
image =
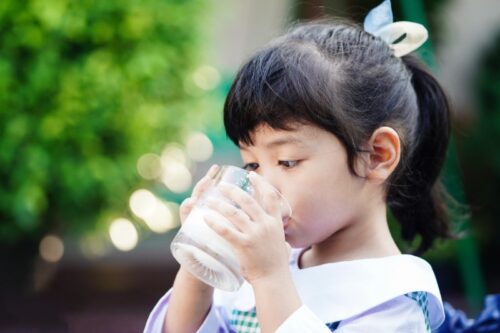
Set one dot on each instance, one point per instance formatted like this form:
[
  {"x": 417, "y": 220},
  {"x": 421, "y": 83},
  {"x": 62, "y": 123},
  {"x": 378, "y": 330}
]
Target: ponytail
[{"x": 417, "y": 198}]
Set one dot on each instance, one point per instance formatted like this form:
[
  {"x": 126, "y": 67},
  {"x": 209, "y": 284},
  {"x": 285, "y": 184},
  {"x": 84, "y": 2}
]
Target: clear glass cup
[{"x": 203, "y": 252}]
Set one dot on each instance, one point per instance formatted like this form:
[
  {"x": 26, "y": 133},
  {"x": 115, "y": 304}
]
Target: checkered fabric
[
  {"x": 333, "y": 326},
  {"x": 246, "y": 322},
  {"x": 421, "y": 298}
]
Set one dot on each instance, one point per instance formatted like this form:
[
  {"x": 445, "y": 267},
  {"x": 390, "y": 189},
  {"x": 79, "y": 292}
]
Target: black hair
[{"x": 346, "y": 81}]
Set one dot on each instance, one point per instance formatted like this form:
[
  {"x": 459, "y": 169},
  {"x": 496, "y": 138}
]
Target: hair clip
[{"x": 402, "y": 36}]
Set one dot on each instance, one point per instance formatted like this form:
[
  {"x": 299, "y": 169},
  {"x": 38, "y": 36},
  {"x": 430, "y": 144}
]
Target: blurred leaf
[
  {"x": 86, "y": 87},
  {"x": 480, "y": 154}
]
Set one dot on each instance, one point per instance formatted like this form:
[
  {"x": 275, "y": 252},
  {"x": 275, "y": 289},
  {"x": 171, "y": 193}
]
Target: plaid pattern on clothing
[
  {"x": 333, "y": 326},
  {"x": 421, "y": 298},
  {"x": 246, "y": 322}
]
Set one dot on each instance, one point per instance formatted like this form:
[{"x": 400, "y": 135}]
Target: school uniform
[{"x": 392, "y": 294}]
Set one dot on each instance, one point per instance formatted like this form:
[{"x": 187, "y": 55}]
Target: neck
[{"x": 367, "y": 236}]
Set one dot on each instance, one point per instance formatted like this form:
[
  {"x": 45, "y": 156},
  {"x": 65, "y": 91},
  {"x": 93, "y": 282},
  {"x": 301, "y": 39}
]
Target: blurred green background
[
  {"x": 86, "y": 88},
  {"x": 110, "y": 111}
]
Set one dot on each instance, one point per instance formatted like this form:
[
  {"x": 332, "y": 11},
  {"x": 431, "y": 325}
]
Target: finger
[
  {"x": 236, "y": 216},
  {"x": 205, "y": 182},
  {"x": 213, "y": 170},
  {"x": 186, "y": 208},
  {"x": 243, "y": 199},
  {"x": 188, "y": 204},
  {"x": 223, "y": 228},
  {"x": 268, "y": 197}
]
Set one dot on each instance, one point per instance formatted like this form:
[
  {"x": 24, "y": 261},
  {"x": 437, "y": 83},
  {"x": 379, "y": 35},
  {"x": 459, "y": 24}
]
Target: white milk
[
  {"x": 204, "y": 253},
  {"x": 195, "y": 228}
]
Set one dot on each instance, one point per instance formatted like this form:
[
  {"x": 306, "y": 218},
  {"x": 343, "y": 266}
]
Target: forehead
[{"x": 265, "y": 136}]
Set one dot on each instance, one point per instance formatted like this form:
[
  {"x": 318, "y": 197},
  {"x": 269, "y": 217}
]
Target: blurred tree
[
  {"x": 480, "y": 157},
  {"x": 86, "y": 87}
]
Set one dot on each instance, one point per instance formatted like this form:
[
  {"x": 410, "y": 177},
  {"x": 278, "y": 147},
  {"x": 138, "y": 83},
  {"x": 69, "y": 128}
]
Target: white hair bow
[{"x": 402, "y": 36}]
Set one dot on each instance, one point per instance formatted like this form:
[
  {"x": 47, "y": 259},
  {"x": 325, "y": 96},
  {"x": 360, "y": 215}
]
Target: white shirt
[{"x": 391, "y": 294}]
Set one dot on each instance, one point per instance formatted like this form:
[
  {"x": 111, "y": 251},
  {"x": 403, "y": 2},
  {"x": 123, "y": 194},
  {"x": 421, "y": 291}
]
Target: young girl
[{"x": 345, "y": 130}]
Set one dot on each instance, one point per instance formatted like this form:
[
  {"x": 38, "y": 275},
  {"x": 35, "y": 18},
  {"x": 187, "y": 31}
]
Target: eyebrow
[{"x": 282, "y": 142}]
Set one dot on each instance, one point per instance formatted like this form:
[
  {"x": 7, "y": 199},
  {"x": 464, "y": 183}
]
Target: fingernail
[{"x": 213, "y": 170}]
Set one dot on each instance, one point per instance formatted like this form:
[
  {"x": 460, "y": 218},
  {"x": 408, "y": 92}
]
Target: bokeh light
[
  {"x": 174, "y": 152},
  {"x": 149, "y": 166},
  {"x": 175, "y": 169},
  {"x": 176, "y": 177},
  {"x": 206, "y": 77},
  {"x": 161, "y": 220},
  {"x": 143, "y": 203},
  {"x": 93, "y": 246},
  {"x": 199, "y": 147},
  {"x": 51, "y": 248},
  {"x": 123, "y": 234},
  {"x": 156, "y": 214},
  {"x": 173, "y": 207}
]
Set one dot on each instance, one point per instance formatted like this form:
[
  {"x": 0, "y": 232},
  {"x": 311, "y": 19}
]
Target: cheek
[
  {"x": 310, "y": 208},
  {"x": 313, "y": 222},
  {"x": 323, "y": 201}
]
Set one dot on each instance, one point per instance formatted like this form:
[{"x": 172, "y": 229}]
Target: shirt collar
[{"x": 341, "y": 290}]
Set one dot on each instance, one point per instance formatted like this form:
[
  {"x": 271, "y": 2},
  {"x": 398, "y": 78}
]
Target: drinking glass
[{"x": 200, "y": 250}]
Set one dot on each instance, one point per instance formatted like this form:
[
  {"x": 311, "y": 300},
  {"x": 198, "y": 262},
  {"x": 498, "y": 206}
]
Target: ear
[{"x": 384, "y": 153}]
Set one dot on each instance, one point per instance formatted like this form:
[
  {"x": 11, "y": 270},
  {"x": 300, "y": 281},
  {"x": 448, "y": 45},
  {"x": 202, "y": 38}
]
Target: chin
[{"x": 295, "y": 244}]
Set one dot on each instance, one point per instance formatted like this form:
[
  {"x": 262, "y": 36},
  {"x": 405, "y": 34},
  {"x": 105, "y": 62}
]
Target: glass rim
[{"x": 218, "y": 177}]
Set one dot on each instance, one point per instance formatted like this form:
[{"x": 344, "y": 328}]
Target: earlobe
[{"x": 385, "y": 150}]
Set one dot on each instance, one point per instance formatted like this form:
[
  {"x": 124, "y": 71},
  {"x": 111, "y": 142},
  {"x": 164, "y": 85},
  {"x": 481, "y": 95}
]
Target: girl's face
[{"x": 308, "y": 165}]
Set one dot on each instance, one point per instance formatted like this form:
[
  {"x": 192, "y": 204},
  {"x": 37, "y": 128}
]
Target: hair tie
[{"x": 402, "y": 36}]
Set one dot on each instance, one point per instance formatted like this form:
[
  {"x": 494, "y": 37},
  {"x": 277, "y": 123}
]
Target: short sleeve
[{"x": 216, "y": 320}]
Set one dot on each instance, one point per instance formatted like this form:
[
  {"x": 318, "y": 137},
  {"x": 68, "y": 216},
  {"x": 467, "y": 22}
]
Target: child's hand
[
  {"x": 255, "y": 231},
  {"x": 200, "y": 187}
]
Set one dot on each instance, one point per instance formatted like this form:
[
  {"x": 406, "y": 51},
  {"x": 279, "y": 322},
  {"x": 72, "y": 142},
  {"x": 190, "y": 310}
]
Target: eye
[
  {"x": 288, "y": 164},
  {"x": 251, "y": 166}
]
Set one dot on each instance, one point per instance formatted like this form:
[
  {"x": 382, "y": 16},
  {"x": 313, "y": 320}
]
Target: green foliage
[
  {"x": 86, "y": 87},
  {"x": 480, "y": 152}
]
